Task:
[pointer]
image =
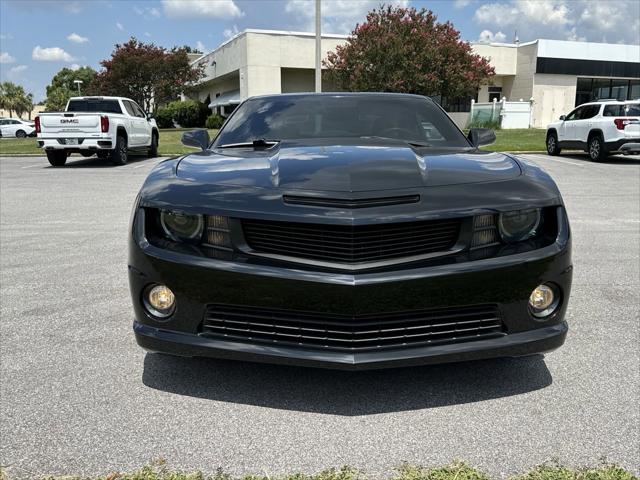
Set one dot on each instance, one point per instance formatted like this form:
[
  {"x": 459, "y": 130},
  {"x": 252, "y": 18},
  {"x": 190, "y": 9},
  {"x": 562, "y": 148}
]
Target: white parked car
[
  {"x": 110, "y": 127},
  {"x": 599, "y": 128},
  {"x": 15, "y": 127}
]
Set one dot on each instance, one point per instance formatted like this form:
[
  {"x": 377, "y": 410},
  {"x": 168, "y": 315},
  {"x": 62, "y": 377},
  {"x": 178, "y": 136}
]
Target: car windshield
[
  {"x": 94, "y": 105},
  {"x": 411, "y": 119}
]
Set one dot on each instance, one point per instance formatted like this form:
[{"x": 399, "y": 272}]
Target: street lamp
[
  {"x": 78, "y": 83},
  {"x": 318, "y": 71}
]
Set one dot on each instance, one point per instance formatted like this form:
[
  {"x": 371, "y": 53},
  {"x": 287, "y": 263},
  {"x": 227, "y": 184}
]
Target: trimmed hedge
[
  {"x": 214, "y": 121},
  {"x": 187, "y": 114}
]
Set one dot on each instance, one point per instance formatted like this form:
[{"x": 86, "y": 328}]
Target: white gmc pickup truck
[{"x": 110, "y": 127}]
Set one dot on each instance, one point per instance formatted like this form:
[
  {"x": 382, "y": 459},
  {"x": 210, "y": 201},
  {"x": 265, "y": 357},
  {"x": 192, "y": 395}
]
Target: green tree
[
  {"x": 62, "y": 86},
  {"x": 406, "y": 50},
  {"x": 14, "y": 99},
  {"x": 149, "y": 74}
]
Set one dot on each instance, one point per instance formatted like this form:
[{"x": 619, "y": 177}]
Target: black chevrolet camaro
[{"x": 348, "y": 231}]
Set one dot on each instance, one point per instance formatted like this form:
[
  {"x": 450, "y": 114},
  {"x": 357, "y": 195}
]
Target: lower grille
[
  {"x": 352, "y": 332},
  {"x": 350, "y": 244}
]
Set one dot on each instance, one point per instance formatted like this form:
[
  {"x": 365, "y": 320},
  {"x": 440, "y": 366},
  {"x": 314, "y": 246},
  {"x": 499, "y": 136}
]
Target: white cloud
[
  {"x": 147, "y": 12},
  {"x": 15, "y": 72},
  {"x": 200, "y": 46},
  {"x": 75, "y": 66},
  {"x": 201, "y": 8},
  {"x": 582, "y": 20},
  {"x": 75, "y": 38},
  {"x": 231, "y": 32},
  {"x": 51, "y": 54},
  {"x": 119, "y": 26},
  {"x": 5, "y": 57},
  {"x": 458, "y": 4},
  {"x": 487, "y": 36},
  {"x": 338, "y": 16}
]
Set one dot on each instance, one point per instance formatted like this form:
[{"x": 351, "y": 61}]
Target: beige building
[{"x": 554, "y": 75}]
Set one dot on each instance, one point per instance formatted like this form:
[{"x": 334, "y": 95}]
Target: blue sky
[{"x": 39, "y": 37}]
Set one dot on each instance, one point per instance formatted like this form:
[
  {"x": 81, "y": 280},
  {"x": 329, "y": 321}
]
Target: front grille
[
  {"x": 351, "y": 244},
  {"x": 352, "y": 332}
]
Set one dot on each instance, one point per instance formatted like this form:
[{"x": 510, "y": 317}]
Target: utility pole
[
  {"x": 318, "y": 49},
  {"x": 78, "y": 83}
]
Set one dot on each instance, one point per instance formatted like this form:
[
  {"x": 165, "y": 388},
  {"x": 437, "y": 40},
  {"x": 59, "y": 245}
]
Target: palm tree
[{"x": 14, "y": 98}]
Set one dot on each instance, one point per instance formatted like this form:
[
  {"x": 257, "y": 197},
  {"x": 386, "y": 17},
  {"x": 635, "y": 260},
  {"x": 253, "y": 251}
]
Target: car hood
[{"x": 345, "y": 168}]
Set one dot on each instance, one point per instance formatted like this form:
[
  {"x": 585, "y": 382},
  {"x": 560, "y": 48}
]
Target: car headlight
[
  {"x": 519, "y": 225},
  {"x": 181, "y": 226}
]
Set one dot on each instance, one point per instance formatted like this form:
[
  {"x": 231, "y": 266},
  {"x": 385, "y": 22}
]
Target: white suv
[{"x": 599, "y": 128}]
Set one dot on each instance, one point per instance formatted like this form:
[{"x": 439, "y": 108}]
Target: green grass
[
  {"x": 158, "y": 470},
  {"x": 519, "y": 140},
  {"x": 169, "y": 144}
]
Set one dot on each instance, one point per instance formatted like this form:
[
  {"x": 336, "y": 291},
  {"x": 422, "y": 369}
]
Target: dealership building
[{"x": 554, "y": 75}]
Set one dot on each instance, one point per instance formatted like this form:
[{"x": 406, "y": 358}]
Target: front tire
[
  {"x": 21, "y": 134},
  {"x": 596, "y": 149},
  {"x": 120, "y": 155},
  {"x": 153, "y": 149},
  {"x": 57, "y": 158},
  {"x": 552, "y": 144}
]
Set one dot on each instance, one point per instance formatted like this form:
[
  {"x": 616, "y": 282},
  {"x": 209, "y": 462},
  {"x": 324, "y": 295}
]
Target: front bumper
[
  {"x": 197, "y": 282},
  {"x": 514, "y": 345}
]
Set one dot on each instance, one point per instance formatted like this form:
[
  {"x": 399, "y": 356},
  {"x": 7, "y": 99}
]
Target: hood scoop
[{"x": 349, "y": 203}]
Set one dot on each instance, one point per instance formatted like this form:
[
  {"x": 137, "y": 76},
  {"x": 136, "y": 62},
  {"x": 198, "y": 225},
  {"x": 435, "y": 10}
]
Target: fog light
[
  {"x": 159, "y": 301},
  {"x": 543, "y": 301}
]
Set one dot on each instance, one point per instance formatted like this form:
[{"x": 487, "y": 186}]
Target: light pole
[
  {"x": 318, "y": 49},
  {"x": 78, "y": 83}
]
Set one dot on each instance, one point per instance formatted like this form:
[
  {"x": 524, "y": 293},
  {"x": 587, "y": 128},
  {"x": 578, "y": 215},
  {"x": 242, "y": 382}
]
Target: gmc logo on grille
[{"x": 71, "y": 120}]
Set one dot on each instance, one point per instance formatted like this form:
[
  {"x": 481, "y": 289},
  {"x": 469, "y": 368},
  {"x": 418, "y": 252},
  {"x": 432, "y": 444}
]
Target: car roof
[
  {"x": 99, "y": 97},
  {"x": 343, "y": 94}
]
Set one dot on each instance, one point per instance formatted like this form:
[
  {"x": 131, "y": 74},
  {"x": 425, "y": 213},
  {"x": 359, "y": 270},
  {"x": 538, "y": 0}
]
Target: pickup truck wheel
[
  {"x": 552, "y": 144},
  {"x": 597, "y": 152},
  {"x": 21, "y": 134},
  {"x": 119, "y": 154},
  {"x": 153, "y": 148},
  {"x": 57, "y": 158}
]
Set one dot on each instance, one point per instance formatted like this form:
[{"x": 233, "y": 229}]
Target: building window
[
  {"x": 459, "y": 104},
  {"x": 495, "y": 93},
  {"x": 590, "y": 89}
]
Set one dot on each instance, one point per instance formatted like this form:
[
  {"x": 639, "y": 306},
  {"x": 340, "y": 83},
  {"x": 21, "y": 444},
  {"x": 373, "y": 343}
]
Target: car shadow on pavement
[
  {"x": 345, "y": 393},
  {"x": 95, "y": 162}
]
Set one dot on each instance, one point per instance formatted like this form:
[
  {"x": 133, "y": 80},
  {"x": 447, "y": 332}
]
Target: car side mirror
[
  {"x": 481, "y": 136},
  {"x": 563, "y": 117},
  {"x": 196, "y": 138}
]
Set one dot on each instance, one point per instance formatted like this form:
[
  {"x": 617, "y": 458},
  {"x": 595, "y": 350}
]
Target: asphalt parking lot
[{"x": 78, "y": 395}]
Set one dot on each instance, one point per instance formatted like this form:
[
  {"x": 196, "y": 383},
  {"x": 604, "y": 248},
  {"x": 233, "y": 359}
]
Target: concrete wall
[
  {"x": 503, "y": 58},
  {"x": 553, "y": 95},
  {"x": 25, "y": 116},
  {"x": 522, "y": 85}
]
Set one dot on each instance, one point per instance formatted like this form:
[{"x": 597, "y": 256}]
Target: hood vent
[{"x": 349, "y": 203}]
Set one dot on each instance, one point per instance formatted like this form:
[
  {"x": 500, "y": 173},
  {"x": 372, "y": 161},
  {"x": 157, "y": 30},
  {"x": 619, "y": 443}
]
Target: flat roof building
[{"x": 555, "y": 75}]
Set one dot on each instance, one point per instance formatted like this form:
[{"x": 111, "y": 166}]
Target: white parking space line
[
  {"x": 559, "y": 160},
  {"x": 34, "y": 165}
]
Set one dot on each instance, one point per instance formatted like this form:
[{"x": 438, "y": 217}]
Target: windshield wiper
[{"x": 257, "y": 143}]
